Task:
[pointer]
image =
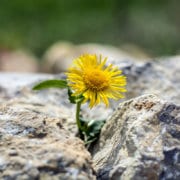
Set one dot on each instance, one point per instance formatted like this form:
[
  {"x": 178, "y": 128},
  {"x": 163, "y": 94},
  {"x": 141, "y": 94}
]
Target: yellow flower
[{"x": 96, "y": 82}]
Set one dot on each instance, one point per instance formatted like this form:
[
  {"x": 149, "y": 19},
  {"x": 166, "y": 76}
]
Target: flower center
[{"x": 96, "y": 80}]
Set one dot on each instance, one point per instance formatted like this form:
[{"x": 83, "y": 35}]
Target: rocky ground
[{"x": 140, "y": 140}]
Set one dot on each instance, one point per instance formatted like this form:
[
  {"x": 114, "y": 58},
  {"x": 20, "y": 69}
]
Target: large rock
[
  {"x": 52, "y": 102},
  {"x": 141, "y": 141},
  {"x": 171, "y": 67},
  {"x": 37, "y": 132},
  {"x": 160, "y": 77},
  {"x": 35, "y": 145},
  {"x": 13, "y": 83}
]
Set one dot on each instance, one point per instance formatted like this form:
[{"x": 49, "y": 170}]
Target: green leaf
[
  {"x": 54, "y": 83},
  {"x": 79, "y": 98},
  {"x": 91, "y": 129},
  {"x": 71, "y": 98},
  {"x": 74, "y": 99},
  {"x": 94, "y": 127}
]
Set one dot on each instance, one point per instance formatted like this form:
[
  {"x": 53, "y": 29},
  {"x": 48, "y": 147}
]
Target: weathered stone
[
  {"x": 153, "y": 77},
  {"x": 140, "y": 141},
  {"x": 35, "y": 145},
  {"x": 142, "y": 144},
  {"x": 13, "y": 84},
  {"x": 37, "y": 131},
  {"x": 52, "y": 102},
  {"x": 171, "y": 67}
]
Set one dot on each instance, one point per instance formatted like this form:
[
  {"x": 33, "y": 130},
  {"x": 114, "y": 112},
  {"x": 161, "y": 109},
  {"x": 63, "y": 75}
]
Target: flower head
[{"x": 96, "y": 82}]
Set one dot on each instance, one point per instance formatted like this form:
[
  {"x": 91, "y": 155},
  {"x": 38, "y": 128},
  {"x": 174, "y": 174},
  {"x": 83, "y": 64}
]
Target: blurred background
[{"x": 33, "y": 28}]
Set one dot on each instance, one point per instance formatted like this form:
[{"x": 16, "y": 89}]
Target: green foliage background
[{"x": 36, "y": 24}]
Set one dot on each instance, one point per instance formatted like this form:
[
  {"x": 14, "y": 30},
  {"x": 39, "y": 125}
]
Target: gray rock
[
  {"x": 35, "y": 145},
  {"x": 171, "y": 67},
  {"x": 160, "y": 77},
  {"x": 141, "y": 141},
  {"x": 52, "y": 102},
  {"x": 13, "y": 84}
]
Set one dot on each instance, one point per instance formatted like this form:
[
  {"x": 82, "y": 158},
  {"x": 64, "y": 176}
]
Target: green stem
[{"x": 78, "y": 108}]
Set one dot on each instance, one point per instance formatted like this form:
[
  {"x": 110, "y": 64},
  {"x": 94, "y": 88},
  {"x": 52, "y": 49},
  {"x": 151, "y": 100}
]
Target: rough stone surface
[
  {"x": 141, "y": 141},
  {"x": 52, "y": 101},
  {"x": 35, "y": 145},
  {"x": 160, "y": 77},
  {"x": 171, "y": 67}
]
